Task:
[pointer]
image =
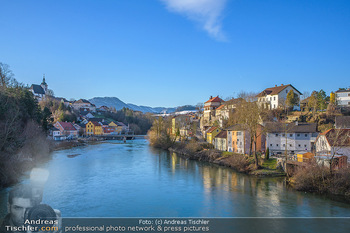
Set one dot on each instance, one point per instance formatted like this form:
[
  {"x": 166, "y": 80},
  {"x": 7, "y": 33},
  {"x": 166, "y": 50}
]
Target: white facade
[
  {"x": 229, "y": 141},
  {"x": 343, "y": 98},
  {"x": 323, "y": 148},
  {"x": 220, "y": 144},
  {"x": 272, "y": 101},
  {"x": 296, "y": 142}
]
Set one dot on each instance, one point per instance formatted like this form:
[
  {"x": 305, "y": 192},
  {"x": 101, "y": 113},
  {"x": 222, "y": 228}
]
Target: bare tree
[
  {"x": 248, "y": 114},
  {"x": 6, "y": 75},
  {"x": 199, "y": 107},
  {"x": 339, "y": 143}
]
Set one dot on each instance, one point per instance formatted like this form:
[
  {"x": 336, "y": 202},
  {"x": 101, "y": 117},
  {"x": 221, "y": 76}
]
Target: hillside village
[
  {"x": 278, "y": 123},
  {"x": 274, "y": 123},
  {"x": 79, "y": 118}
]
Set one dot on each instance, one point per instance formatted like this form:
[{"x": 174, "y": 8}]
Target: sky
[{"x": 170, "y": 53}]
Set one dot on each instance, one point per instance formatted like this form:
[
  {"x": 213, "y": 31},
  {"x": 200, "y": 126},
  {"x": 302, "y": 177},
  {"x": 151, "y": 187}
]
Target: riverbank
[
  {"x": 238, "y": 162},
  {"x": 311, "y": 178},
  {"x": 317, "y": 179}
]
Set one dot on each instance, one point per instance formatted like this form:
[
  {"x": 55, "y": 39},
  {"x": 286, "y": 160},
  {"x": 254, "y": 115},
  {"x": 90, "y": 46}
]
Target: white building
[
  {"x": 210, "y": 107},
  {"x": 297, "y": 137},
  {"x": 84, "y": 105},
  {"x": 334, "y": 142},
  {"x": 39, "y": 91},
  {"x": 220, "y": 141},
  {"x": 273, "y": 97},
  {"x": 343, "y": 97}
]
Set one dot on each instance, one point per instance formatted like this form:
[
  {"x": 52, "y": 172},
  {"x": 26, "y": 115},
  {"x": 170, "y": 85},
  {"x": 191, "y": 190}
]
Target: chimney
[
  {"x": 296, "y": 123},
  {"x": 211, "y": 97},
  {"x": 275, "y": 85},
  {"x": 281, "y": 84}
]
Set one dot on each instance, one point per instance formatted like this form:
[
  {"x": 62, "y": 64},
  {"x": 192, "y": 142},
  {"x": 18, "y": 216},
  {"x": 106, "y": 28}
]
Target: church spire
[{"x": 43, "y": 83}]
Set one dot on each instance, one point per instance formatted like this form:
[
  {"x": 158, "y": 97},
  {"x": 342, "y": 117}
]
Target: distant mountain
[
  {"x": 185, "y": 108},
  {"x": 118, "y": 104}
]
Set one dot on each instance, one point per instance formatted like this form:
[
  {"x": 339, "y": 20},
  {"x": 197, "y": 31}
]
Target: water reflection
[{"x": 114, "y": 179}]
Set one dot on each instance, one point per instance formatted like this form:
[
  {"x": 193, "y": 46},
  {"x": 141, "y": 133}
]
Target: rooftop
[
  {"x": 275, "y": 90},
  {"x": 295, "y": 127}
]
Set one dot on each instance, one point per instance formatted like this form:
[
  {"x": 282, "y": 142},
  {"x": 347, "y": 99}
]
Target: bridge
[{"x": 120, "y": 137}]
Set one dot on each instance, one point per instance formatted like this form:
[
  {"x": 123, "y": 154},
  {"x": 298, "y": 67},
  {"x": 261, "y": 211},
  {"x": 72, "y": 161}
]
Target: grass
[
  {"x": 270, "y": 164},
  {"x": 226, "y": 154}
]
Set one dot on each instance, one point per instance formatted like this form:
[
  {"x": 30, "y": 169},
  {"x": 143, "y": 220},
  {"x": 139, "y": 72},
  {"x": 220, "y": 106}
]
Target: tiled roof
[
  {"x": 347, "y": 90},
  {"x": 222, "y": 134},
  {"x": 97, "y": 119},
  {"x": 338, "y": 137},
  {"x": 221, "y": 107},
  {"x": 37, "y": 89},
  {"x": 342, "y": 122},
  {"x": 95, "y": 123},
  {"x": 275, "y": 90},
  {"x": 237, "y": 127},
  {"x": 277, "y": 127},
  {"x": 212, "y": 129},
  {"x": 215, "y": 99},
  {"x": 67, "y": 125}
]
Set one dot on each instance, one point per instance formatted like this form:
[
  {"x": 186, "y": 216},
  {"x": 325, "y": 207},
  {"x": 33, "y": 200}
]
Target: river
[{"x": 115, "y": 179}]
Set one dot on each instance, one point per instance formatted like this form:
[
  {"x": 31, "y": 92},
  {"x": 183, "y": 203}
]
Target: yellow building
[
  {"x": 305, "y": 157},
  {"x": 118, "y": 127},
  {"x": 93, "y": 128},
  {"x": 212, "y": 132}
]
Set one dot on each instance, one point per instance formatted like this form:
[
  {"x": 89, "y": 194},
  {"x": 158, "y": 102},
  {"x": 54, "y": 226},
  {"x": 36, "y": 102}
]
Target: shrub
[
  {"x": 267, "y": 154},
  {"x": 314, "y": 178},
  {"x": 193, "y": 146},
  {"x": 239, "y": 162}
]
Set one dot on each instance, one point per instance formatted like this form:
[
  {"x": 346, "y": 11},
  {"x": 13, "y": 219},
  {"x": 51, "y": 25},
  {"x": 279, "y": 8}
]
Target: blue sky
[{"x": 176, "y": 52}]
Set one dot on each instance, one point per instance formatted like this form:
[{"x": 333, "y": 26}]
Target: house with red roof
[
  {"x": 274, "y": 97},
  {"x": 333, "y": 142},
  {"x": 66, "y": 129},
  {"x": 210, "y": 107}
]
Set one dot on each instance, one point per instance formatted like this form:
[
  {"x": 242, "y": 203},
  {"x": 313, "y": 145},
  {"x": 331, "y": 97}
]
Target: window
[
  {"x": 276, "y": 134},
  {"x": 274, "y": 105},
  {"x": 299, "y": 145},
  {"x": 237, "y": 140},
  {"x": 291, "y": 135},
  {"x": 271, "y": 145},
  {"x": 349, "y": 94},
  {"x": 290, "y": 145},
  {"x": 286, "y": 91},
  {"x": 305, "y": 146},
  {"x": 276, "y": 144},
  {"x": 241, "y": 143},
  {"x": 306, "y": 135},
  {"x": 298, "y": 134},
  {"x": 284, "y": 145},
  {"x": 274, "y": 98},
  {"x": 283, "y": 135}
]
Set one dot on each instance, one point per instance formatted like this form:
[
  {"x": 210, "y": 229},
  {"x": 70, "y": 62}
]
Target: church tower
[{"x": 44, "y": 84}]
